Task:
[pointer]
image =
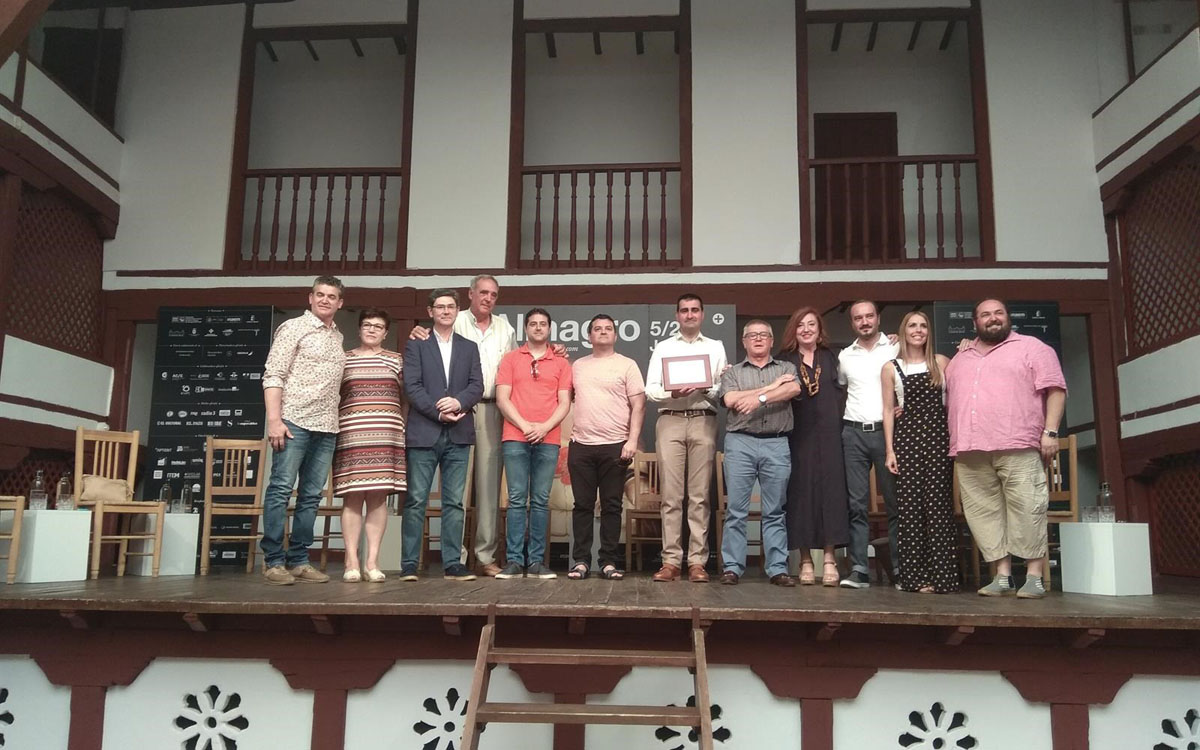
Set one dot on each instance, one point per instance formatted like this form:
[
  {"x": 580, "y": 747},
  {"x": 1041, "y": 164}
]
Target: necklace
[{"x": 814, "y": 384}]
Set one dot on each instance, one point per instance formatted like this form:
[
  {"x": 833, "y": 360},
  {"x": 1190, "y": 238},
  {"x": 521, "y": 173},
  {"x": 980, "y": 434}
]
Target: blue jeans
[
  {"x": 529, "y": 471},
  {"x": 307, "y": 455},
  {"x": 769, "y": 460},
  {"x": 451, "y": 458}
]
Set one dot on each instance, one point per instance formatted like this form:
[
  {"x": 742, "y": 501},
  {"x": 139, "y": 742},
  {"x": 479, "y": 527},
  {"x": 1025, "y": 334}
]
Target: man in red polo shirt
[{"x": 533, "y": 392}]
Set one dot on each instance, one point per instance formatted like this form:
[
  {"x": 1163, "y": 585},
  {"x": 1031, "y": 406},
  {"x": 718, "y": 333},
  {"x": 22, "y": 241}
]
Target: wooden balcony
[
  {"x": 881, "y": 211},
  {"x": 336, "y": 220},
  {"x": 601, "y": 216}
]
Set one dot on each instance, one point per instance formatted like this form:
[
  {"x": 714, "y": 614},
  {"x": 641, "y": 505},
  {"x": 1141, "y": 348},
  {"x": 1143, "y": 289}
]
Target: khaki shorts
[{"x": 1004, "y": 497}]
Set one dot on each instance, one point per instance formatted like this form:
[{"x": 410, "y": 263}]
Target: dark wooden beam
[
  {"x": 956, "y": 636},
  {"x": 270, "y": 50},
  {"x": 1087, "y": 637},
  {"x": 197, "y": 623},
  {"x": 551, "y": 47},
  {"x": 916, "y": 33},
  {"x": 401, "y": 45},
  {"x": 1127, "y": 25},
  {"x": 802, "y": 128},
  {"x": 312, "y": 50},
  {"x": 677, "y": 41},
  {"x": 946, "y": 36},
  {"x": 17, "y": 19},
  {"x": 639, "y": 42},
  {"x": 614, "y": 24},
  {"x": 409, "y": 50},
  {"x": 871, "y": 37},
  {"x": 358, "y": 50},
  {"x": 241, "y": 144},
  {"x": 596, "y": 43},
  {"x": 516, "y": 137},
  {"x": 837, "y": 37}
]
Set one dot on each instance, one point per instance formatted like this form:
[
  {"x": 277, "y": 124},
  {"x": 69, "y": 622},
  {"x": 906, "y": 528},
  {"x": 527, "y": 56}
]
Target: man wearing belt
[
  {"x": 686, "y": 440},
  {"x": 757, "y": 391},
  {"x": 495, "y": 337},
  {"x": 859, "y": 367}
]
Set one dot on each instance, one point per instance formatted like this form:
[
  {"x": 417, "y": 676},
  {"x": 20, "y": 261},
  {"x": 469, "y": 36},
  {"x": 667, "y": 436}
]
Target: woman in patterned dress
[
  {"x": 368, "y": 463},
  {"x": 918, "y": 451}
]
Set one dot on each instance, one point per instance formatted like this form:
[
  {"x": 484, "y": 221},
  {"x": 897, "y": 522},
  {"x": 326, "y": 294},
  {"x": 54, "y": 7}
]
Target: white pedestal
[
  {"x": 1106, "y": 558},
  {"x": 181, "y": 532},
  {"x": 54, "y": 546}
]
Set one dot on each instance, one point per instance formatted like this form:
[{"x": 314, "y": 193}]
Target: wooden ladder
[{"x": 480, "y": 711}]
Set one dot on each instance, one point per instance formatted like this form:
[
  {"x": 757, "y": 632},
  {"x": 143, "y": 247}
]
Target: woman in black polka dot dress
[{"x": 918, "y": 452}]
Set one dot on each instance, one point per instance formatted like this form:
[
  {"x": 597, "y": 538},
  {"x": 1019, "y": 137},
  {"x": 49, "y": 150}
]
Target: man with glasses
[
  {"x": 533, "y": 392},
  {"x": 686, "y": 441},
  {"x": 443, "y": 382},
  {"x": 301, "y": 387},
  {"x": 757, "y": 392}
]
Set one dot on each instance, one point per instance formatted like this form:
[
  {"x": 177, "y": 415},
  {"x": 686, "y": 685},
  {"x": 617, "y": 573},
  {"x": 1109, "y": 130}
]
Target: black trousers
[{"x": 597, "y": 468}]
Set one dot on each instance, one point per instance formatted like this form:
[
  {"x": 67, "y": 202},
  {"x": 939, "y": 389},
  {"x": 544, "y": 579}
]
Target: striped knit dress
[{"x": 370, "y": 444}]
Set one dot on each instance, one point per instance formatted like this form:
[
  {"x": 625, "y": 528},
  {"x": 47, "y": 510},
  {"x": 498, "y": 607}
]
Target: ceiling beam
[
  {"x": 312, "y": 50},
  {"x": 17, "y": 19},
  {"x": 596, "y": 43},
  {"x": 358, "y": 50},
  {"x": 551, "y": 47},
  {"x": 871, "y": 37},
  {"x": 837, "y": 37},
  {"x": 270, "y": 49},
  {"x": 639, "y": 42},
  {"x": 916, "y": 33},
  {"x": 401, "y": 45},
  {"x": 946, "y": 37}
]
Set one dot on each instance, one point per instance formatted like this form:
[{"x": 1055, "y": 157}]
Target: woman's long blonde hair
[{"x": 935, "y": 372}]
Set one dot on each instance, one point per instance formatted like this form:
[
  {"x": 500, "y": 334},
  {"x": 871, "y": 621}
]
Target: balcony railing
[
  {"x": 600, "y": 215},
  {"x": 320, "y": 219},
  {"x": 899, "y": 209}
]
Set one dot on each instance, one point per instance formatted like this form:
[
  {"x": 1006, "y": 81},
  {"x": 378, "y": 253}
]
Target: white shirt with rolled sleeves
[
  {"x": 677, "y": 346},
  {"x": 494, "y": 342},
  {"x": 859, "y": 370}
]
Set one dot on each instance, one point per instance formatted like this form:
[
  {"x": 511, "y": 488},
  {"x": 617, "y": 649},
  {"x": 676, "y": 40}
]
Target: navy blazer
[{"x": 425, "y": 384}]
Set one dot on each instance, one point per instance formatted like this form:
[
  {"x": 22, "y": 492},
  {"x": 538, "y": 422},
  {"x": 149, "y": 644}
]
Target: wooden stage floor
[{"x": 1177, "y": 607}]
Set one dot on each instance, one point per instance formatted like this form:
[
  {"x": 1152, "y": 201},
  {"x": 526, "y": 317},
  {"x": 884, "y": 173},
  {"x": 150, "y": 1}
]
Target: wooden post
[
  {"x": 983, "y": 140},
  {"x": 241, "y": 145}
]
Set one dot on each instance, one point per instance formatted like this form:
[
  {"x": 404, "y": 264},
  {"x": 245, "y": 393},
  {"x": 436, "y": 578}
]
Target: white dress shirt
[
  {"x": 494, "y": 342},
  {"x": 859, "y": 370},
  {"x": 446, "y": 347},
  {"x": 677, "y": 346}
]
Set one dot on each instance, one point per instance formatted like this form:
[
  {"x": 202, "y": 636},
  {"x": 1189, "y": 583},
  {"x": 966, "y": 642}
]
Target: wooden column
[
  {"x": 241, "y": 144},
  {"x": 10, "y": 209},
  {"x": 983, "y": 140},
  {"x": 410, "y": 78},
  {"x": 1069, "y": 694},
  {"x": 685, "y": 133},
  {"x": 1106, "y": 410},
  {"x": 330, "y": 680},
  {"x": 516, "y": 138},
  {"x": 802, "y": 129},
  {"x": 816, "y": 688},
  {"x": 569, "y": 684},
  {"x": 88, "y": 665}
]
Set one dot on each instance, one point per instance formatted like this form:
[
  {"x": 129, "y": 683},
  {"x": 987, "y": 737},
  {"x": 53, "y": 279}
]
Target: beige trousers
[
  {"x": 686, "y": 447},
  {"x": 488, "y": 426},
  {"x": 1004, "y": 497}
]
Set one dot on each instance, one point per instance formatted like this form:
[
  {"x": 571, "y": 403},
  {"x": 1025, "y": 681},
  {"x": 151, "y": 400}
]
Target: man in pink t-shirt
[
  {"x": 1006, "y": 394},
  {"x": 610, "y": 402},
  {"x": 533, "y": 392}
]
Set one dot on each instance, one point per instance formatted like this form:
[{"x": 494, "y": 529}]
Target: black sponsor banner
[
  {"x": 208, "y": 367},
  {"x": 954, "y": 321}
]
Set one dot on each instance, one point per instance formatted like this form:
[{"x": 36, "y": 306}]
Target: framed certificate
[{"x": 693, "y": 371}]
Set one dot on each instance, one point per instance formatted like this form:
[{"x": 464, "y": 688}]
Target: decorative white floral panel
[
  {"x": 32, "y": 711},
  {"x": 1155, "y": 713},
  {"x": 917, "y": 710},
  {"x": 746, "y": 716},
  {"x": 422, "y": 705},
  {"x": 189, "y": 703}
]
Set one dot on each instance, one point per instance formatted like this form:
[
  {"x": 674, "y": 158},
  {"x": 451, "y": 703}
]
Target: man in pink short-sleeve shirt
[
  {"x": 610, "y": 402},
  {"x": 1005, "y": 394}
]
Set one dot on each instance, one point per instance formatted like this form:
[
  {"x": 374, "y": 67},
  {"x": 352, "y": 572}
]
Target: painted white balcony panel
[
  {"x": 324, "y": 12},
  {"x": 44, "y": 374},
  {"x": 8, "y": 77},
  {"x": 48, "y": 102},
  {"x": 1162, "y": 377},
  {"x": 592, "y": 8}
]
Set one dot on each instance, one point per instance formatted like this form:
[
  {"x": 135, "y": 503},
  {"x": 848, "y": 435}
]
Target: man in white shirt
[
  {"x": 863, "y": 444},
  {"x": 495, "y": 337},
  {"x": 686, "y": 442}
]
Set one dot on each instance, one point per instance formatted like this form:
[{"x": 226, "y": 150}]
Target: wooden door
[{"x": 858, "y": 206}]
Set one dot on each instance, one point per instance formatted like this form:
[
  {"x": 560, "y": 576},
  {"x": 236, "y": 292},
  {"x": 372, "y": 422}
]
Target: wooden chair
[
  {"x": 242, "y": 464},
  {"x": 13, "y": 535},
  {"x": 885, "y": 563},
  {"x": 640, "y": 526},
  {"x": 1062, "y": 480},
  {"x": 753, "y": 516},
  {"x": 435, "y": 511},
  {"x": 106, "y": 449}
]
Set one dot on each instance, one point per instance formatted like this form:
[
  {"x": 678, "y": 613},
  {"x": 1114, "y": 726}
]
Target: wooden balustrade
[
  {"x": 320, "y": 219},
  {"x": 636, "y": 223},
  {"x": 899, "y": 209}
]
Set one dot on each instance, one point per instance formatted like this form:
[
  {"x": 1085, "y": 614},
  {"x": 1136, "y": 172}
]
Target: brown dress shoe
[
  {"x": 667, "y": 573},
  {"x": 489, "y": 569},
  {"x": 783, "y": 579},
  {"x": 697, "y": 574},
  {"x": 729, "y": 578}
]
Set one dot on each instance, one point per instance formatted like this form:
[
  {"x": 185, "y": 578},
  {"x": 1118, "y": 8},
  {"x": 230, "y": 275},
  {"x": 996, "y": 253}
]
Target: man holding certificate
[{"x": 682, "y": 380}]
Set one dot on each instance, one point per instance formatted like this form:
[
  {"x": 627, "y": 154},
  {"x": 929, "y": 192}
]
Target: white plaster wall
[
  {"x": 1162, "y": 377},
  {"x": 1042, "y": 88},
  {"x": 176, "y": 106},
  {"x": 8, "y": 77},
  {"x": 592, "y": 8},
  {"x": 461, "y": 116},
  {"x": 322, "y": 12},
  {"x": 45, "y": 374},
  {"x": 46, "y": 101},
  {"x": 1111, "y": 71},
  {"x": 1137, "y": 715},
  {"x": 36, "y": 710},
  {"x": 745, "y": 206}
]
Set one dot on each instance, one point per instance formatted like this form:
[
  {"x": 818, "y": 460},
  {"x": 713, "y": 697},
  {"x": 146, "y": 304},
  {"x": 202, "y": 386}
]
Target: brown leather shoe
[
  {"x": 697, "y": 574},
  {"x": 667, "y": 573},
  {"x": 489, "y": 569},
  {"x": 729, "y": 578},
  {"x": 783, "y": 579}
]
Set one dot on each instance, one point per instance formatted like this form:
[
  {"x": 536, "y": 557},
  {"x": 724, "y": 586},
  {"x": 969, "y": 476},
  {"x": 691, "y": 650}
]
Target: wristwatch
[
  {"x": 762, "y": 398},
  {"x": 1050, "y": 433}
]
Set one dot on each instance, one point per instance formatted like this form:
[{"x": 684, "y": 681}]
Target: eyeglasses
[
  {"x": 757, "y": 336},
  {"x": 533, "y": 369},
  {"x": 441, "y": 308},
  {"x": 373, "y": 327}
]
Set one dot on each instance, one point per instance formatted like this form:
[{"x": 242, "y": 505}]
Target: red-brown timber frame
[{"x": 682, "y": 26}]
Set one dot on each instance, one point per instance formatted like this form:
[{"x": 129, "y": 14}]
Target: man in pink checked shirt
[{"x": 1006, "y": 394}]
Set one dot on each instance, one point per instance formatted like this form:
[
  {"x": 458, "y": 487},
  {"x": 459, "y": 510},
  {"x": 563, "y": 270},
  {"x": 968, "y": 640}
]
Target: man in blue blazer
[{"x": 443, "y": 382}]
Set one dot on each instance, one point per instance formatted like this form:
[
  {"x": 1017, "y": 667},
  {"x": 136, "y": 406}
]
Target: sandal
[
  {"x": 352, "y": 575},
  {"x": 612, "y": 573},
  {"x": 579, "y": 571},
  {"x": 807, "y": 575},
  {"x": 831, "y": 576},
  {"x": 375, "y": 575}
]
